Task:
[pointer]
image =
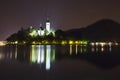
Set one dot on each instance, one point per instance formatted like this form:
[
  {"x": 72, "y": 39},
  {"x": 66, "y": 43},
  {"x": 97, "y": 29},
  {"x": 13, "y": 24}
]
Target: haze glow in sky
[{"x": 63, "y": 14}]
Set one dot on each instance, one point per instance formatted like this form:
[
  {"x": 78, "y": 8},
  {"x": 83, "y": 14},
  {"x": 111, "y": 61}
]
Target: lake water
[{"x": 59, "y": 62}]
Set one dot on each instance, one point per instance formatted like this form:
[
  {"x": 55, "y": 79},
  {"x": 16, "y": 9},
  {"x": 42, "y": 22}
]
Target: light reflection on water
[
  {"x": 35, "y": 54},
  {"x": 42, "y": 54},
  {"x": 57, "y": 62},
  {"x": 84, "y": 49},
  {"x": 46, "y": 54}
]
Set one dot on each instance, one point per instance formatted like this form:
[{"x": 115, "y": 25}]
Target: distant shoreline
[{"x": 82, "y": 43}]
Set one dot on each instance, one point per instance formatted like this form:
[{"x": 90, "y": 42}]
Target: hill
[{"x": 103, "y": 30}]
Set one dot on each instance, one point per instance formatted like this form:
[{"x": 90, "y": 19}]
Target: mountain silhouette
[{"x": 102, "y": 30}]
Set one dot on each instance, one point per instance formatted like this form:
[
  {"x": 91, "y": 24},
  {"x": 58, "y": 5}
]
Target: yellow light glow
[
  {"x": 2, "y": 43},
  {"x": 116, "y": 44},
  {"x": 16, "y": 42},
  {"x": 76, "y": 49},
  {"x": 24, "y": 42},
  {"x": 34, "y": 54},
  {"x": 110, "y": 43},
  {"x": 76, "y": 42},
  {"x": 71, "y": 42},
  {"x": 46, "y": 42},
  {"x": 53, "y": 53},
  {"x": 70, "y": 49},
  {"x": 81, "y": 49},
  {"x": 54, "y": 42},
  {"x": 33, "y": 42},
  {"x": 102, "y": 44},
  {"x": 85, "y": 42},
  {"x": 80, "y": 42},
  {"x": 64, "y": 42}
]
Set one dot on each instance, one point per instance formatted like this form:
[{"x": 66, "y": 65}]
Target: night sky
[{"x": 63, "y": 14}]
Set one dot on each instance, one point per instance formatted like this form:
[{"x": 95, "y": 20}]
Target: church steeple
[
  {"x": 48, "y": 25},
  {"x": 47, "y": 20}
]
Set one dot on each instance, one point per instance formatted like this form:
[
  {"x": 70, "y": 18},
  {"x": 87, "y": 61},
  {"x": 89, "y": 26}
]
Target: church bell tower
[{"x": 48, "y": 25}]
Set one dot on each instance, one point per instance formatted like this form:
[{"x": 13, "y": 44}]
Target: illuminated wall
[
  {"x": 48, "y": 26},
  {"x": 41, "y": 32}
]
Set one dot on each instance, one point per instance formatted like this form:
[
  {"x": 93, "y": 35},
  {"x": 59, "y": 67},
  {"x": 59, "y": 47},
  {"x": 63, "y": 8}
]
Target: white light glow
[
  {"x": 48, "y": 52},
  {"x": 42, "y": 54},
  {"x": 110, "y": 43},
  {"x": 102, "y": 49},
  {"x": 2, "y": 43},
  {"x": 41, "y": 32},
  {"x": 92, "y": 44},
  {"x": 102, "y": 44},
  {"x": 38, "y": 59},
  {"x": 48, "y": 26},
  {"x": 96, "y": 43},
  {"x": 116, "y": 43}
]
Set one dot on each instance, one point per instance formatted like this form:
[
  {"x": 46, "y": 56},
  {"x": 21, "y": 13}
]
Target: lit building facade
[
  {"x": 42, "y": 31},
  {"x": 48, "y": 26}
]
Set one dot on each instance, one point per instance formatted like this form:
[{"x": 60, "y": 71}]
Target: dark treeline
[{"x": 24, "y": 35}]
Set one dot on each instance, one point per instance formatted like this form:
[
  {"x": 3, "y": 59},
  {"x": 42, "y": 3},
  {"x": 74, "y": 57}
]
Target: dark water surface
[{"x": 59, "y": 62}]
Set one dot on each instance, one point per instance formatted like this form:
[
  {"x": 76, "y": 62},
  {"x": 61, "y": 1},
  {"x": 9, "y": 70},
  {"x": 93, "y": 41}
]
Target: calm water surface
[{"x": 59, "y": 62}]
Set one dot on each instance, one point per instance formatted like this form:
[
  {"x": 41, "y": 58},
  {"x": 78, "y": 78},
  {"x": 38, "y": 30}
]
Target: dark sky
[{"x": 63, "y": 14}]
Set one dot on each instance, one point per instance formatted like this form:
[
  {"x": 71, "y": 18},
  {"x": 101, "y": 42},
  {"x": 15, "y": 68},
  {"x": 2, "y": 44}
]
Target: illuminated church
[{"x": 42, "y": 31}]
